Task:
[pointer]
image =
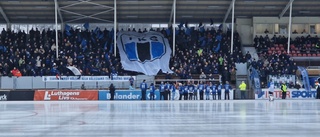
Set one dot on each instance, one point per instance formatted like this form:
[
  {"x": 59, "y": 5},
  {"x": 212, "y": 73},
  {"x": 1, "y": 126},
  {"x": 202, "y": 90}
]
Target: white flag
[{"x": 144, "y": 52}]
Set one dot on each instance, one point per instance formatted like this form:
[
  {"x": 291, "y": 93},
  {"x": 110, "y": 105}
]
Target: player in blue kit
[
  {"x": 143, "y": 87},
  {"x": 181, "y": 89},
  {"x": 172, "y": 91},
  {"x": 201, "y": 90},
  {"x": 152, "y": 90},
  {"x": 219, "y": 88},
  {"x": 214, "y": 91},
  {"x": 185, "y": 92},
  {"x": 227, "y": 89},
  {"x": 191, "y": 90},
  {"x": 208, "y": 90},
  {"x": 162, "y": 91}
]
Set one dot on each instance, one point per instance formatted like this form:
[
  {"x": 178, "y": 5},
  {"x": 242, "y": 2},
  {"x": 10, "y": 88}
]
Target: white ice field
[{"x": 233, "y": 118}]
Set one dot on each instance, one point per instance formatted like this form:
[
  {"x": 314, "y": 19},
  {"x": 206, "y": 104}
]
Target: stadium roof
[{"x": 147, "y": 11}]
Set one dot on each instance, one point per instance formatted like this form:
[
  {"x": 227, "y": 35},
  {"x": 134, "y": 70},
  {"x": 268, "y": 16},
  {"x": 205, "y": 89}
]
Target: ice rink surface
[{"x": 250, "y": 118}]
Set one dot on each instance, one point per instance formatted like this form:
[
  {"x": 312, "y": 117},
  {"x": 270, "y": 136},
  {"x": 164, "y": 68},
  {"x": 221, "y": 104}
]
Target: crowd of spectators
[
  {"x": 274, "y": 63},
  {"x": 206, "y": 52},
  {"x": 198, "y": 51},
  {"x": 299, "y": 45}
]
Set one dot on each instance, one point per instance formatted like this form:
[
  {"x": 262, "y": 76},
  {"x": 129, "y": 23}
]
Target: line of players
[{"x": 189, "y": 91}]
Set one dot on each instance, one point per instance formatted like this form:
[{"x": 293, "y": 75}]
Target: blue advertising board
[
  {"x": 126, "y": 95},
  {"x": 290, "y": 94}
]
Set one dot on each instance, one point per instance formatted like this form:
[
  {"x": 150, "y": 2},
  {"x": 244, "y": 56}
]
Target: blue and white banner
[
  {"x": 86, "y": 78},
  {"x": 126, "y": 95},
  {"x": 256, "y": 81},
  {"x": 305, "y": 78},
  {"x": 144, "y": 52}
]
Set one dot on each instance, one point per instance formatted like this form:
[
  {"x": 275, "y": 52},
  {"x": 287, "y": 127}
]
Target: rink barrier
[
  {"x": 126, "y": 95},
  {"x": 291, "y": 94},
  {"x": 50, "y": 95},
  {"x": 136, "y": 95},
  {"x": 4, "y": 94},
  {"x": 21, "y": 95}
]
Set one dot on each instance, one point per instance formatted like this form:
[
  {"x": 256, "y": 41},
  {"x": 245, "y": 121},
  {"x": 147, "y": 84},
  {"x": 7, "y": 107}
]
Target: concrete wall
[
  {"x": 245, "y": 30},
  {"x": 27, "y": 82}
]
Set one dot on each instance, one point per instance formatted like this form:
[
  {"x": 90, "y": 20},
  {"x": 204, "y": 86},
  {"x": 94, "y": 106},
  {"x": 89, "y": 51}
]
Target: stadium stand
[{"x": 198, "y": 51}]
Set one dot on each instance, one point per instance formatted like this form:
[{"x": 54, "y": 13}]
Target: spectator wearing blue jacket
[
  {"x": 152, "y": 90},
  {"x": 162, "y": 91},
  {"x": 201, "y": 90},
  {"x": 143, "y": 87},
  {"x": 227, "y": 89}
]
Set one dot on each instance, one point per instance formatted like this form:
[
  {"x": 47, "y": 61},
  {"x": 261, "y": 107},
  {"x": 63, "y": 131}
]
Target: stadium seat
[
  {"x": 281, "y": 48},
  {"x": 292, "y": 46},
  {"x": 308, "y": 45}
]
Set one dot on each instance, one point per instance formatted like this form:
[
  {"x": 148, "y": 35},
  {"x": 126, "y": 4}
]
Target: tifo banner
[
  {"x": 86, "y": 78},
  {"x": 126, "y": 95},
  {"x": 291, "y": 94},
  {"x": 144, "y": 52},
  {"x": 66, "y": 95},
  {"x": 4, "y": 95}
]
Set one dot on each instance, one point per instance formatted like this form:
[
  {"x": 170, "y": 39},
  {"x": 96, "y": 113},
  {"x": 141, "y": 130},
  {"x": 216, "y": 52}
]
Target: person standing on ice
[
  {"x": 318, "y": 91},
  {"x": 271, "y": 90},
  {"x": 152, "y": 90},
  {"x": 208, "y": 90},
  {"x": 143, "y": 87},
  {"x": 112, "y": 91}
]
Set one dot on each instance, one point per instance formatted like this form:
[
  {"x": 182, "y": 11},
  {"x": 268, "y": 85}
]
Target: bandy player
[{"x": 271, "y": 90}]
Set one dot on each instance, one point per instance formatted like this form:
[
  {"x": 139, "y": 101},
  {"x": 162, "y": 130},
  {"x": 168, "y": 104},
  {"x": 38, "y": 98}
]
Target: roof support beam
[
  {"x": 59, "y": 12},
  {"x": 84, "y": 16},
  {"x": 171, "y": 14},
  {"x": 285, "y": 9},
  {"x": 74, "y": 4},
  {"x": 4, "y": 15},
  {"x": 228, "y": 12}
]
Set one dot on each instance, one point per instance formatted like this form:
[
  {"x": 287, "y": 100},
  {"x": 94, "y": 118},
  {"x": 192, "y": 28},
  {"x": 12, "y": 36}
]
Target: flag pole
[
  {"x": 232, "y": 26},
  {"x": 174, "y": 28},
  {"x": 115, "y": 28},
  {"x": 56, "y": 22}
]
